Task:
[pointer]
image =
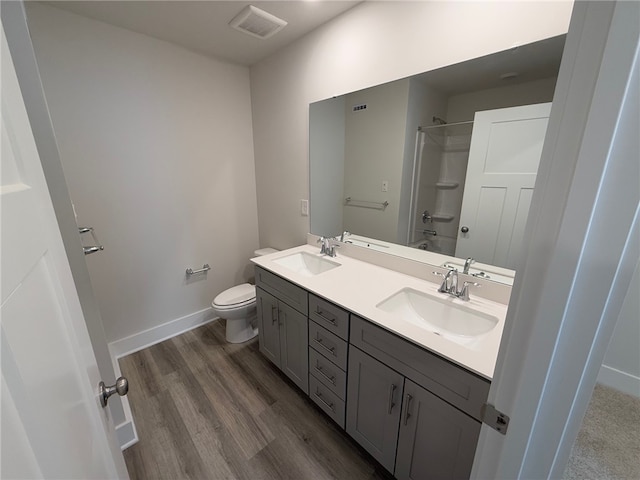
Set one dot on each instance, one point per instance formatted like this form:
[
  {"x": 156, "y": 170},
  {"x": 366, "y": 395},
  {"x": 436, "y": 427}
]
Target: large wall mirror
[{"x": 439, "y": 166}]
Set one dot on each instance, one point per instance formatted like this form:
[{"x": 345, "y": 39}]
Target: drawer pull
[
  {"x": 407, "y": 400},
  {"x": 332, "y": 379},
  {"x": 329, "y": 405},
  {"x": 331, "y": 350},
  {"x": 391, "y": 404},
  {"x": 320, "y": 312},
  {"x": 274, "y": 314}
]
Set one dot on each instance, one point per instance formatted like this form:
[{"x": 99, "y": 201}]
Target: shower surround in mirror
[
  {"x": 365, "y": 146},
  {"x": 498, "y": 169}
]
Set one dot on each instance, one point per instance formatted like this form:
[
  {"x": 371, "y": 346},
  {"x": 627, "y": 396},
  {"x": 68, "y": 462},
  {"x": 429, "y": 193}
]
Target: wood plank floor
[{"x": 206, "y": 409}]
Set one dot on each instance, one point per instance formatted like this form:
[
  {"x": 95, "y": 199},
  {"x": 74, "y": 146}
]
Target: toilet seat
[{"x": 235, "y": 297}]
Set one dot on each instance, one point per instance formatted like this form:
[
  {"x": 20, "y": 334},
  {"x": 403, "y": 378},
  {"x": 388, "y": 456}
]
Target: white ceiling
[
  {"x": 202, "y": 26},
  {"x": 533, "y": 61}
]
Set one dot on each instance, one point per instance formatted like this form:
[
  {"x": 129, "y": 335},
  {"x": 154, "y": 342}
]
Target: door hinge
[{"x": 494, "y": 418}]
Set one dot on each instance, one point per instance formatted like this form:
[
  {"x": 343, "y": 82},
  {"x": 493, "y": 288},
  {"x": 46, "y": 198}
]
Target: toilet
[{"x": 237, "y": 305}]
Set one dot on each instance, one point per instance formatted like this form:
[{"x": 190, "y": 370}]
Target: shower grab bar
[
  {"x": 205, "y": 268},
  {"x": 91, "y": 248},
  {"x": 352, "y": 202}
]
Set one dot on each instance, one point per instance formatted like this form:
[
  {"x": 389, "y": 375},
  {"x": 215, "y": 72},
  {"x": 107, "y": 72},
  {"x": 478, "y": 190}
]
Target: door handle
[
  {"x": 391, "y": 404},
  {"x": 407, "y": 399},
  {"x": 464, "y": 229},
  {"x": 121, "y": 388}
]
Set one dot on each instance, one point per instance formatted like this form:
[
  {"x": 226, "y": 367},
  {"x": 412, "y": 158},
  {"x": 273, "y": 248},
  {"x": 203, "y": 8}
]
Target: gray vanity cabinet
[
  {"x": 283, "y": 329},
  {"x": 268, "y": 326},
  {"x": 374, "y": 393},
  {"x": 294, "y": 355},
  {"x": 416, "y": 430},
  {"x": 415, "y": 412},
  {"x": 328, "y": 347},
  {"x": 436, "y": 440}
]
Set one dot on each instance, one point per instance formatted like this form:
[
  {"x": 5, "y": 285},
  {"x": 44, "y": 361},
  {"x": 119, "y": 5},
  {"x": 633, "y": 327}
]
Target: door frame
[{"x": 582, "y": 245}]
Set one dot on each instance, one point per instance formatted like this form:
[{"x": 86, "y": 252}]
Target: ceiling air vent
[{"x": 257, "y": 23}]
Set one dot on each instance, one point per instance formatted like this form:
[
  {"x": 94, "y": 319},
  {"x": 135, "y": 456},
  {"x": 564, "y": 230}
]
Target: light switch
[{"x": 304, "y": 208}]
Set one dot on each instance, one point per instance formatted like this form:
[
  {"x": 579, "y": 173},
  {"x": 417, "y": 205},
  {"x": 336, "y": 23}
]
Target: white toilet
[{"x": 237, "y": 305}]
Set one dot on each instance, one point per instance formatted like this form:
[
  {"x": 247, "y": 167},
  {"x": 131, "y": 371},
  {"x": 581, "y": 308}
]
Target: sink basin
[
  {"x": 443, "y": 316},
  {"x": 306, "y": 264}
]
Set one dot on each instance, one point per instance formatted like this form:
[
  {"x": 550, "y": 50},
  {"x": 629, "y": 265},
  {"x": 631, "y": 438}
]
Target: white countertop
[{"x": 358, "y": 287}]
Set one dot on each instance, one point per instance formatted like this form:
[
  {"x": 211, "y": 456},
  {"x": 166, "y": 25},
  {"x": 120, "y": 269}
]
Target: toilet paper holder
[{"x": 205, "y": 268}]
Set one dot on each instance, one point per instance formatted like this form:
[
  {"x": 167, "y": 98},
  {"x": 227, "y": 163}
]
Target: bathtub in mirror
[{"x": 392, "y": 164}]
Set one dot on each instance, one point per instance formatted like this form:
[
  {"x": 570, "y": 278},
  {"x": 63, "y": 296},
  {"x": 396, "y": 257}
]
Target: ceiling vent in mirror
[{"x": 257, "y": 23}]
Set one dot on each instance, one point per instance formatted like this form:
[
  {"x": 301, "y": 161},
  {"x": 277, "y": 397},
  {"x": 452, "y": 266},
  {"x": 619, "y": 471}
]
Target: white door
[
  {"x": 52, "y": 423},
  {"x": 503, "y": 162}
]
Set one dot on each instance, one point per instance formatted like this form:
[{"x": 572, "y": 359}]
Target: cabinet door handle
[
  {"x": 330, "y": 405},
  {"x": 392, "y": 390},
  {"x": 320, "y": 312},
  {"x": 407, "y": 399},
  {"x": 321, "y": 372},
  {"x": 274, "y": 314},
  {"x": 331, "y": 350}
]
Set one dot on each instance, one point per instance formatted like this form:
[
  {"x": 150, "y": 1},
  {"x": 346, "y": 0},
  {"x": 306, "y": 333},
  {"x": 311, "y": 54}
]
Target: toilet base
[{"x": 240, "y": 331}]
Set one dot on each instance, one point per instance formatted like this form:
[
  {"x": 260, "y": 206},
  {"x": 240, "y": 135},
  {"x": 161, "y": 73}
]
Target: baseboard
[
  {"x": 126, "y": 431},
  {"x": 160, "y": 333},
  {"x": 619, "y": 380}
]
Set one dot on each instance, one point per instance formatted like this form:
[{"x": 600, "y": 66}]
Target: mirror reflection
[{"x": 441, "y": 163}]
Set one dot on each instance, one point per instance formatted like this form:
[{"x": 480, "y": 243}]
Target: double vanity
[{"x": 403, "y": 368}]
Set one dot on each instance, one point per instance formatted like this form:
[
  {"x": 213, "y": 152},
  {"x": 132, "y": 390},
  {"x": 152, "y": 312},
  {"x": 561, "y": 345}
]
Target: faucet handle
[
  {"x": 323, "y": 247},
  {"x": 464, "y": 293},
  {"x": 443, "y": 285}
]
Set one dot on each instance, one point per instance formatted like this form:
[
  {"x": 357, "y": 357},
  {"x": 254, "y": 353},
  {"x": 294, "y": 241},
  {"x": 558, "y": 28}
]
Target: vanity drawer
[
  {"x": 461, "y": 388},
  {"x": 328, "y": 373},
  {"x": 327, "y": 400},
  {"x": 330, "y": 316},
  {"x": 328, "y": 345},
  {"x": 286, "y": 291}
]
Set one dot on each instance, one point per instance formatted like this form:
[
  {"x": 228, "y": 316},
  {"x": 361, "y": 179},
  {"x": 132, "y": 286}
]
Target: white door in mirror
[{"x": 503, "y": 161}]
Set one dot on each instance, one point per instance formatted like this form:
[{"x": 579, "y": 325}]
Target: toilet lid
[{"x": 235, "y": 296}]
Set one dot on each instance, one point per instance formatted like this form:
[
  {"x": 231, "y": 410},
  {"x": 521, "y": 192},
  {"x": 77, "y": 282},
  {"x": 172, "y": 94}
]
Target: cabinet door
[
  {"x": 374, "y": 394},
  {"x": 268, "y": 328},
  {"x": 294, "y": 343},
  {"x": 436, "y": 440}
]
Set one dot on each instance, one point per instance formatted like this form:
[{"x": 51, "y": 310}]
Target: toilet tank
[{"x": 264, "y": 251}]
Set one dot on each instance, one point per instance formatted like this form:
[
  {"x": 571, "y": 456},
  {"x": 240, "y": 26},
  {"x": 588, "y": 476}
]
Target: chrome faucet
[
  {"x": 344, "y": 235},
  {"x": 326, "y": 247},
  {"x": 449, "y": 284},
  {"x": 467, "y": 264}
]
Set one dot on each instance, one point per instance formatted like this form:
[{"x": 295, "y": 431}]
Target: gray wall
[
  {"x": 156, "y": 145},
  {"x": 327, "y": 145},
  {"x": 371, "y": 158}
]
